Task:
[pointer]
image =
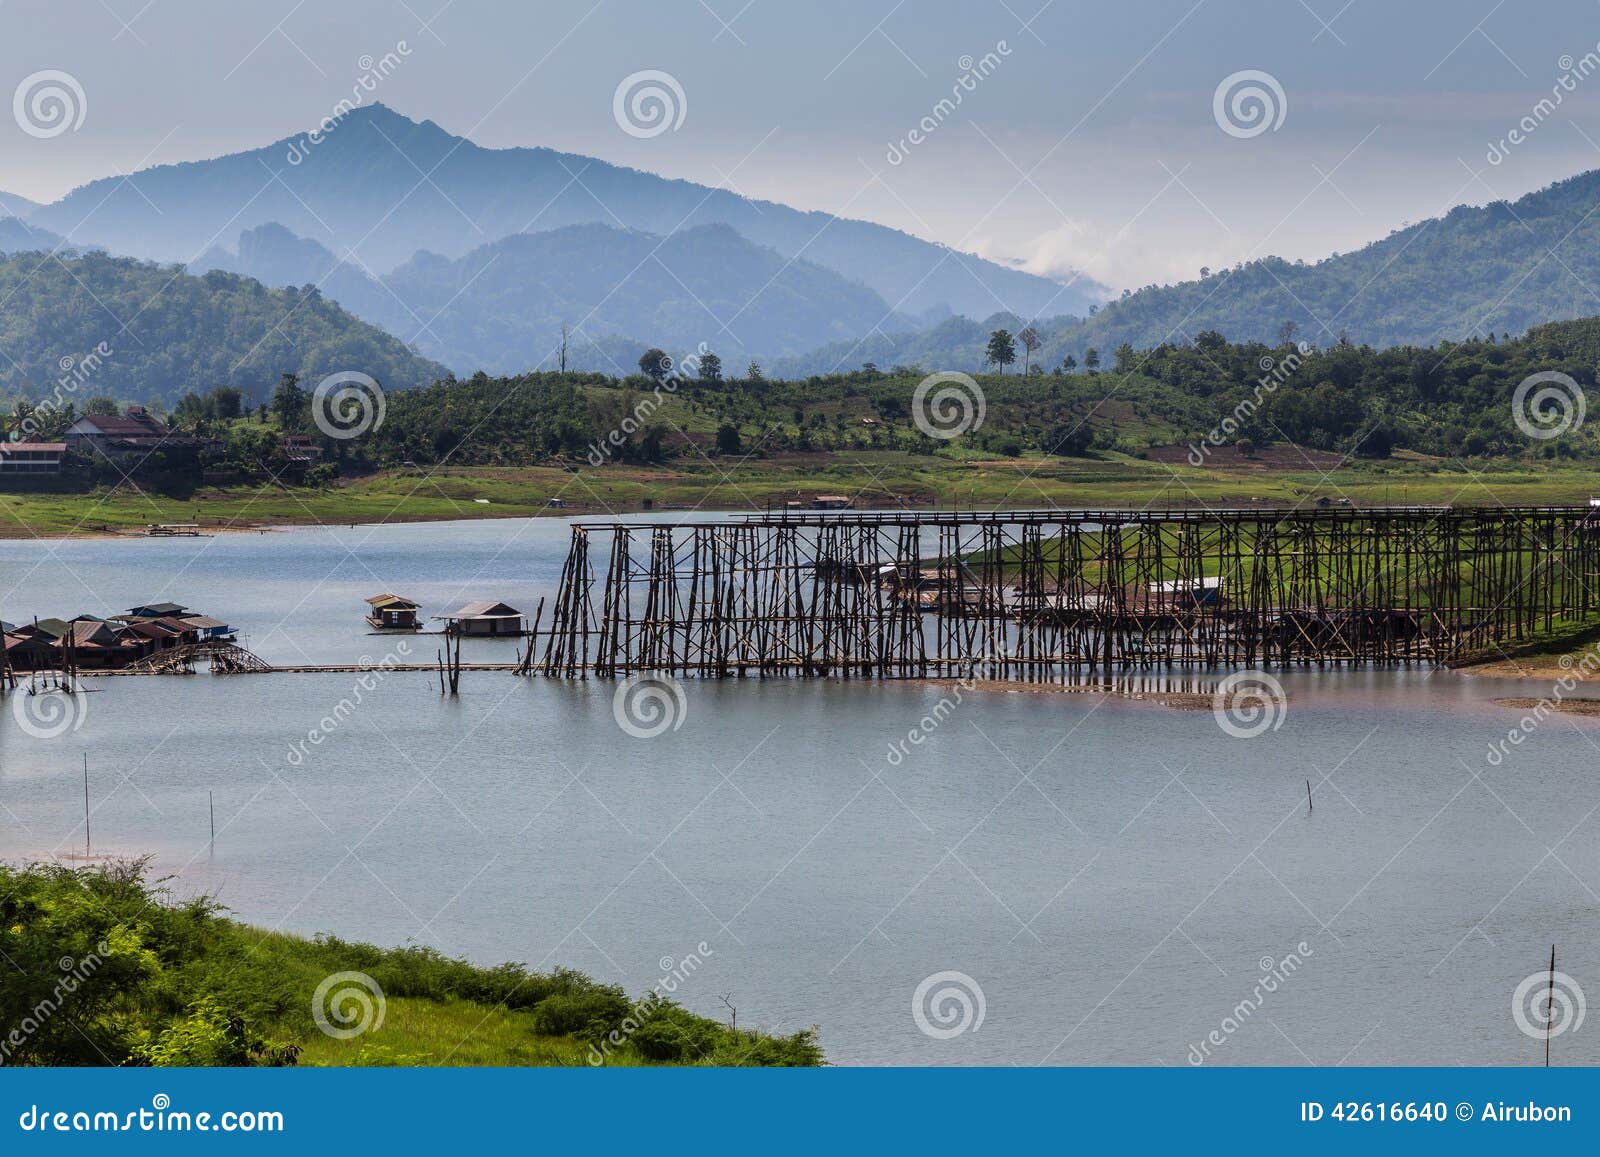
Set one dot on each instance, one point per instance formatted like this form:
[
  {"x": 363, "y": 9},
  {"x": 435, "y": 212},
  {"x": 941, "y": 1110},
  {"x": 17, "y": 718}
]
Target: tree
[
  {"x": 1091, "y": 359},
  {"x": 1030, "y": 342},
  {"x": 289, "y": 402},
  {"x": 710, "y": 367},
  {"x": 753, "y": 372},
  {"x": 1286, "y": 333},
  {"x": 226, "y": 403},
  {"x": 1070, "y": 439},
  {"x": 101, "y": 407},
  {"x": 1069, "y": 363},
  {"x": 728, "y": 441},
  {"x": 1001, "y": 350},
  {"x": 563, "y": 361},
  {"x": 654, "y": 363}
]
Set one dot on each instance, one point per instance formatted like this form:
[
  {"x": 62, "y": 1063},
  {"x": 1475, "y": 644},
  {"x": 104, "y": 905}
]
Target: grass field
[{"x": 871, "y": 478}]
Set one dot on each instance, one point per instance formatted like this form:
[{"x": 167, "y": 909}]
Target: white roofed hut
[{"x": 485, "y": 620}]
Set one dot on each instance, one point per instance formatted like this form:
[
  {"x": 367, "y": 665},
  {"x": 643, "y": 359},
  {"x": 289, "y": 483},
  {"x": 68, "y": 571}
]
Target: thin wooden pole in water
[
  {"x": 212, "y": 801},
  {"x": 1550, "y": 1006},
  {"x": 1308, "y": 797},
  {"x": 86, "y": 849}
]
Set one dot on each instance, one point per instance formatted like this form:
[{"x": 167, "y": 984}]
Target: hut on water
[
  {"x": 484, "y": 619},
  {"x": 393, "y": 613}
]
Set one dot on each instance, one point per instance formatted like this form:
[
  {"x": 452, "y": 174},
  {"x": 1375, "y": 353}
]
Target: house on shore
[
  {"x": 392, "y": 613},
  {"x": 31, "y": 457},
  {"x": 484, "y": 619},
  {"x": 131, "y": 435}
]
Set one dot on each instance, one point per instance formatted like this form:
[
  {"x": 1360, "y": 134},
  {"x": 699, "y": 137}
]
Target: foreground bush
[{"x": 110, "y": 969}]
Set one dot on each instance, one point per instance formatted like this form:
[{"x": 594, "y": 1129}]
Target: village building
[
  {"x": 118, "y": 436},
  {"x": 31, "y": 457},
  {"x": 393, "y": 613},
  {"x": 154, "y": 611},
  {"x": 484, "y": 619},
  {"x": 208, "y": 628},
  {"x": 301, "y": 450}
]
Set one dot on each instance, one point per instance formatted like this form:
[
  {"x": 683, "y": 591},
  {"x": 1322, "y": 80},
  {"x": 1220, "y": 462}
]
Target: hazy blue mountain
[
  {"x": 501, "y": 307},
  {"x": 361, "y": 187},
  {"x": 165, "y": 332},
  {"x": 1501, "y": 268},
  {"x": 16, "y": 235},
  {"x": 12, "y": 205}
]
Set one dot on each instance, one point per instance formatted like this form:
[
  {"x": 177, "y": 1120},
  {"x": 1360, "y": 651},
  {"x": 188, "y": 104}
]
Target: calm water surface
[{"x": 1113, "y": 875}]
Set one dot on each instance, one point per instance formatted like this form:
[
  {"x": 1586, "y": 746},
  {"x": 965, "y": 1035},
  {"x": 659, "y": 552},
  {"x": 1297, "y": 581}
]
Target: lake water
[{"x": 1112, "y": 875}]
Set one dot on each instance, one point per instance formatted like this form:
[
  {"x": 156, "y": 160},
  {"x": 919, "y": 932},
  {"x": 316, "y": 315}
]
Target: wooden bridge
[{"x": 1041, "y": 595}]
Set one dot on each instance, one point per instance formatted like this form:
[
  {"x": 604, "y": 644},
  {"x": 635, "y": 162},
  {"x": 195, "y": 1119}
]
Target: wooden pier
[{"x": 1050, "y": 595}]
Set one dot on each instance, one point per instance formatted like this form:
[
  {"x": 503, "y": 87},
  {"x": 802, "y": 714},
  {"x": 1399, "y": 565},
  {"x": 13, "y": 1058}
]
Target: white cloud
[{"x": 1124, "y": 259}]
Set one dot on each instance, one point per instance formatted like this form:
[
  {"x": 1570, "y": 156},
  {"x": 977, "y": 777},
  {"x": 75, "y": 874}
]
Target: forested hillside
[{"x": 159, "y": 332}]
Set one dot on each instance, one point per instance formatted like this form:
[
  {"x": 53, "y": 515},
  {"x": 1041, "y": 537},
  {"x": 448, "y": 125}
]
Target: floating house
[
  {"x": 209, "y": 628},
  {"x": 484, "y": 619},
  {"x": 154, "y": 611},
  {"x": 90, "y": 642},
  {"x": 393, "y": 613}
]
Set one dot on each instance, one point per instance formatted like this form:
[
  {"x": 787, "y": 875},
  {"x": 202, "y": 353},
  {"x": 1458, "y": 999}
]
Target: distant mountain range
[
  {"x": 380, "y": 187},
  {"x": 501, "y": 306},
  {"x": 1501, "y": 268},
  {"x": 12, "y": 205},
  {"x": 16, "y": 235},
  {"x": 478, "y": 257}
]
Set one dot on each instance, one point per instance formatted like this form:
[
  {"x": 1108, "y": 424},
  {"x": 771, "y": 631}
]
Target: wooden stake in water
[
  {"x": 211, "y": 799},
  {"x": 1309, "y": 808},
  {"x": 1550, "y": 1006},
  {"x": 86, "y": 850}
]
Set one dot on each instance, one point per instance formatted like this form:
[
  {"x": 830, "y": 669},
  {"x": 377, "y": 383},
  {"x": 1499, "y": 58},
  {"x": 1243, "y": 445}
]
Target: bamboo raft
[{"x": 1051, "y": 595}]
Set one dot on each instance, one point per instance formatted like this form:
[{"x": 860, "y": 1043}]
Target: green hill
[{"x": 158, "y": 332}]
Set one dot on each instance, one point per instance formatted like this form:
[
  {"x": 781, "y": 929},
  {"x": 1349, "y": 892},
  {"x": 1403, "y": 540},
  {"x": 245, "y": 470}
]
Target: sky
[{"x": 1087, "y": 135}]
